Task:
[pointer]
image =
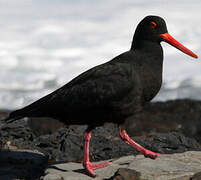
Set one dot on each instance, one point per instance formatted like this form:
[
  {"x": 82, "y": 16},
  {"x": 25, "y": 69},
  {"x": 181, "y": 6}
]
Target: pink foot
[
  {"x": 150, "y": 154},
  {"x": 90, "y": 167}
]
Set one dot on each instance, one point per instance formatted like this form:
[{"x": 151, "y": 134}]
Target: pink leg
[
  {"x": 86, "y": 163},
  {"x": 147, "y": 153}
]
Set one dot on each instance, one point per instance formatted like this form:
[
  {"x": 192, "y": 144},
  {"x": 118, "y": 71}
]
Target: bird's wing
[{"x": 102, "y": 85}]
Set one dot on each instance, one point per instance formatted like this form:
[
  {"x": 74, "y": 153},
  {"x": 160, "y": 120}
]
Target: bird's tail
[{"x": 13, "y": 116}]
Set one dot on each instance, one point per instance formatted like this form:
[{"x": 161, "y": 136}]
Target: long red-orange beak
[{"x": 170, "y": 40}]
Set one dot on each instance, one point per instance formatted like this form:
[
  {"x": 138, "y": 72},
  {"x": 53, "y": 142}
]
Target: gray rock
[
  {"x": 126, "y": 174},
  {"x": 170, "y": 167},
  {"x": 53, "y": 177},
  {"x": 179, "y": 166}
]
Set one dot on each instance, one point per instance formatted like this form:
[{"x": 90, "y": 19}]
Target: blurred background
[{"x": 44, "y": 44}]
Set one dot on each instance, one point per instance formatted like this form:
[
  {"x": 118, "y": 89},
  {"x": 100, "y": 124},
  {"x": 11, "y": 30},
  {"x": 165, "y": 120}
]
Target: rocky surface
[
  {"x": 180, "y": 166},
  {"x": 179, "y": 115},
  {"x": 32, "y": 165},
  {"x": 125, "y": 173},
  {"x": 66, "y": 144},
  {"x": 164, "y": 127}
]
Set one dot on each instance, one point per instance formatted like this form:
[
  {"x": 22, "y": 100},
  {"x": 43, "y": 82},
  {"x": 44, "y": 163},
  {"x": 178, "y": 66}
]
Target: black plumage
[{"x": 108, "y": 92}]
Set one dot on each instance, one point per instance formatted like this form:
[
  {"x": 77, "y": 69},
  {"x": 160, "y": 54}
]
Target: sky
[{"x": 44, "y": 44}]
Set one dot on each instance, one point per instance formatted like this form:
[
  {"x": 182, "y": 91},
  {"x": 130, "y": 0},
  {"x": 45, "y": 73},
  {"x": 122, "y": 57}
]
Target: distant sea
[{"x": 44, "y": 44}]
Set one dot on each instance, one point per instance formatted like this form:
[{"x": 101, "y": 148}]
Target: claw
[
  {"x": 150, "y": 154},
  {"x": 90, "y": 167}
]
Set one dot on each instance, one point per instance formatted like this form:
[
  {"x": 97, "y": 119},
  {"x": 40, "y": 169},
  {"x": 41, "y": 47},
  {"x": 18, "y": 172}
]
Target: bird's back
[{"x": 108, "y": 92}]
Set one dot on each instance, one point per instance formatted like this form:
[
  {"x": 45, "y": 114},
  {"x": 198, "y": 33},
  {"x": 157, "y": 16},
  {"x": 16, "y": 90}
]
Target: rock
[
  {"x": 126, "y": 174},
  {"x": 22, "y": 164},
  {"x": 41, "y": 126},
  {"x": 178, "y": 115},
  {"x": 53, "y": 177},
  {"x": 172, "y": 142},
  {"x": 178, "y": 166},
  {"x": 66, "y": 144},
  {"x": 17, "y": 131},
  {"x": 175, "y": 166},
  {"x": 196, "y": 176}
]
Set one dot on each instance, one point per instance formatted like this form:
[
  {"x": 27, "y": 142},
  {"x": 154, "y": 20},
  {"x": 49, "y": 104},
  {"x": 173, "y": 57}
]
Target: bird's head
[{"x": 154, "y": 29}]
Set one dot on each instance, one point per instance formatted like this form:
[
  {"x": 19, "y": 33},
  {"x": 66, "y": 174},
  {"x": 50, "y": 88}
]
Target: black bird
[{"x": 112, "y": 91}]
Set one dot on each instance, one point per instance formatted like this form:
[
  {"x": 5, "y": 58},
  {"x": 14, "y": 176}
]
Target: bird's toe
[
  {"x": 90, "y": 167},
  {"x": 150, "y": 154}
]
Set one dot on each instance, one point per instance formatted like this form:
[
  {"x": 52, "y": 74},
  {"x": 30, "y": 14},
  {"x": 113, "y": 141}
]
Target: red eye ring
[{"x": 153, "y": 24}]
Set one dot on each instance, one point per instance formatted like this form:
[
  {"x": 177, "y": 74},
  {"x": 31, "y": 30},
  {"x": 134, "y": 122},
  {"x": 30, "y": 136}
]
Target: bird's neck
[
  {"x": 152, "y": 52},
  {"x": 151, "y": 62},
  {"x": 145, "y": 44}
]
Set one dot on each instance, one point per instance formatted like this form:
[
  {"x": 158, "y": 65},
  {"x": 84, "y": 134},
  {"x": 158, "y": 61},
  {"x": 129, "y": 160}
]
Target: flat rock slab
[{"x": 179, "y": 166}]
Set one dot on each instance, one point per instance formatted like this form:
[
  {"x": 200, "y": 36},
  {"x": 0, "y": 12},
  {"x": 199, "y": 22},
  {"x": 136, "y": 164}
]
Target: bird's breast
[{"x": 152, "y": 81}]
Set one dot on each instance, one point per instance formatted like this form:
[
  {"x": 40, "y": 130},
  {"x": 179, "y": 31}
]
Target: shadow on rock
[{"x": 126, "y": 174}]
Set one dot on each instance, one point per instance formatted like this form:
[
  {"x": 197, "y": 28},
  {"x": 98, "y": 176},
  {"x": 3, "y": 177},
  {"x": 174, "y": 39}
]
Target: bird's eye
[{"x": 153, "y": 25}]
